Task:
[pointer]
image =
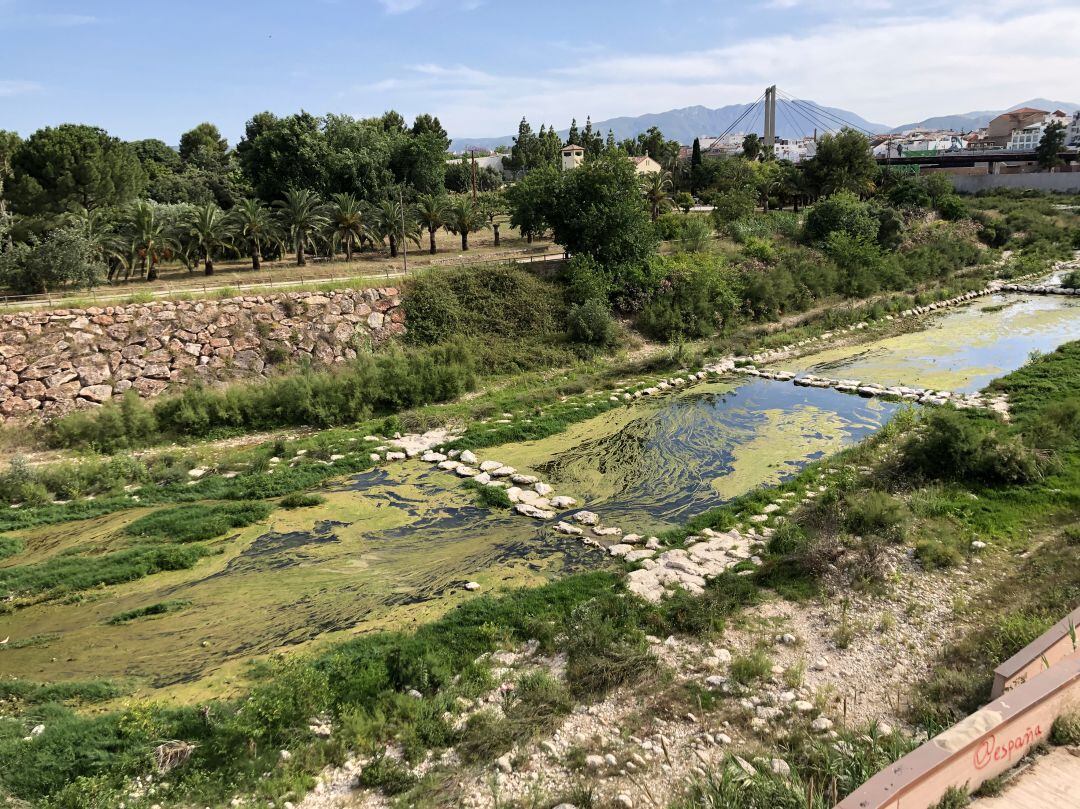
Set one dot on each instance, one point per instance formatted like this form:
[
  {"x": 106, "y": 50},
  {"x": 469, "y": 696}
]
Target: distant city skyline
[{"x": 145, "y": 70}]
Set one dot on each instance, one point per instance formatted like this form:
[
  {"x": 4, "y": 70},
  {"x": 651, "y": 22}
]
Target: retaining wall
[
  {"x": 1062, "y": 183},
  {"x": 58, "y": 361}
]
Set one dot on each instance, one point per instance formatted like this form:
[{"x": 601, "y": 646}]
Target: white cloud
[
  {"x": 13, "y": 87},
  {"x": 889, "y": 70},
  {"x": 400, "y": 6}
]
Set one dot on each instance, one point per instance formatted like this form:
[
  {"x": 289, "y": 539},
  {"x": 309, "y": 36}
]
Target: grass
[
  {"x": 491, "y": 497},
  {"x": 301, "y": 500},
  {"x": 160, "y": 608},
  {"x": 10, "y": 546},
  {"x": 197, "y": 522},
  {"x": 751, "y": 668},
  {"x": 24, "y": 693},
  {"x": 73, "y": 572}
]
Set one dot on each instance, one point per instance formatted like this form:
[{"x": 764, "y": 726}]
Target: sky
[{"x": 146, "y": 68}]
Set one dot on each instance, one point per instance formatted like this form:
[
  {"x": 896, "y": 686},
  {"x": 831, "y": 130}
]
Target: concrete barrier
[
  {"x": 1057, "y": 182},
  {"x": 986, "y": 744},
  {"x": 1058, "y": 643}
]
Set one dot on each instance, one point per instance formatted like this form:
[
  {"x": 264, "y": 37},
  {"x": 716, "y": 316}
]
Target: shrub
[
  {"x": 389, "y": 775},
  {"x": 934, "y": 553},
  {"x": 875, "y": 513},
  {"x": 1066, "y": 730},
  {"x": 696, "y": 235},
  {"x": 9, "y": 546},
  {"x": 585, "y": 280},
  {"x": 489, "y": 496},
  {"x": 696, "y": 300},
  {"x": 953, "y": 444},
  {"x": 746, "y": 669},
  {"x": 1072, "y": 280},
  {"x": 841, "y": 213},
  {"x": 371, "y": 385},
  {"x": 591, "y": 323},
  {"x": 197, "y": 522},
  {"x": 301, "y": 500},
  {"x": 1071, "y": 535},
  {"x": 951, "y": 208},
  {"x": 760, "y": 249},
  {"x": 477, "y": 303},
  {"x": 161, "y": 608}
]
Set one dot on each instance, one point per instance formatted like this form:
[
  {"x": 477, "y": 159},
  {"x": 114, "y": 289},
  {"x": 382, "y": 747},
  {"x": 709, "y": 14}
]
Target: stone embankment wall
[{"x": 54, "y": 362}]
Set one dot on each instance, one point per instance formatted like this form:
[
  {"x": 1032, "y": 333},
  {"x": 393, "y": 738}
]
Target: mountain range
[{"x": 794, "y": 119}]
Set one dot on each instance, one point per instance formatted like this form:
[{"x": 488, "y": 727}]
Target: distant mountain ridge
[
  {"x": 968, "y": 121},
  {"x": 792, "y": 120},
  {"x": 687, "y": 123}
]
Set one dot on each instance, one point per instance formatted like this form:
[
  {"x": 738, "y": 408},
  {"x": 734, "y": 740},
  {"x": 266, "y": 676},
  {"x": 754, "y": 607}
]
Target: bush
[
  {"x": 962, "y": 445},
  {"x": 389, "y": 775},
  {"x": 386, "y": 383},
  {"x": 697, "y": 298},
  {"x": 301, "y": 500},
  {"x": 1066, "y": 730},
  {"x": 591, "y": 323},
  {"x": 478, "y": 303},
  {"x": 161, "y": 608},
  {"x": 585, "y": 280},
  {"x": 841, "y": 213},
  {"x": 196, "y": 523},
  {"x": 1072, "y": 280},
  {"x": 746, "y": 669},
  {"x": 951, "y": 208},
  {"x": 875, "y": 513},
  {"x": 935, "y": 553}
]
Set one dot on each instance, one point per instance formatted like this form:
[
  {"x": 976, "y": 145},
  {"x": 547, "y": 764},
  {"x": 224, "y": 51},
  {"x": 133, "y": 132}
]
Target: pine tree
[
  {"x": 573, "y": 138},
  {"x": 610, "y": 145}
]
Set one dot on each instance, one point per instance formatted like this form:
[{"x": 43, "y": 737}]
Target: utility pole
[
  {"x": 404, "y": 237},
  {"x": 472, "y": 153},
  {"x": 770, "y": 119}
]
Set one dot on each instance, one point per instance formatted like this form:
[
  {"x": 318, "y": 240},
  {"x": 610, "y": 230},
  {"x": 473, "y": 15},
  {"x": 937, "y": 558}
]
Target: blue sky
[{"x": 154, "y": 69}]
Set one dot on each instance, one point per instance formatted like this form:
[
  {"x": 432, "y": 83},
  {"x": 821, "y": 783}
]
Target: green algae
[
  {"x": 380, "y": 553},
  {"x": 961, "y": 349}
]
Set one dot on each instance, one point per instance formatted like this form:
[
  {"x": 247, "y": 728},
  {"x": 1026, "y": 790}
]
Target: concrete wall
[
  {"x": 67, "y": 359},
  {"x": 1059, "y": 182}
]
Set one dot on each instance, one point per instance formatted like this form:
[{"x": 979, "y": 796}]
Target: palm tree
[
  {"x": 96, "y": 229},
  {"x": 657, "y": 188},
  {"x": 301, "y": 215},
  {"x": 148, "y": 234},
  {"x": 211, "y": 228},
  {"x": 394, "y": 224},
  {"x": 255, "y": 224},
  {"x": 465, "y": 217},
  {"x": 431, "y": 210},
  {"x": 347, "y": 223}
]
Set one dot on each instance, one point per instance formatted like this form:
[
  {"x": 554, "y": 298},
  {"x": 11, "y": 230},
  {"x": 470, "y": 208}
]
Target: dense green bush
[
  {"x": 480, "y": 303},
  {"x": 843, "y": 212},
  {"x": 697, "y": 298},
  {"x": 371, "y": 385},
  {"x": 876, "y": 513},
  {"x": 1072, "y": 280},
  {"x": 591, "y": 323},
  {"x": 962, "y": 445},
  {"x": 301, "y": 500}
]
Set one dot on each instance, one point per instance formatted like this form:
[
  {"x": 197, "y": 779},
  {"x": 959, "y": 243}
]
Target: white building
[
  {"x": 1072, "y": 134},
  {"x": 572, "y": 156},
  {"x": 795, "y": 151},
  {"x": 1027, "y": 138}
]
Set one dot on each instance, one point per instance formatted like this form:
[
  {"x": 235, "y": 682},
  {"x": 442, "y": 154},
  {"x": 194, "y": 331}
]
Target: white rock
[
  {"x": 524, "y": 480},
  {"x": 468, "y": 457},
  {"x": 587, "y": 518},
  {"x": 483, "y": 478},
  {"x": 396, "y": 456},
  {"x": 821, "y": 724},
  {"x": 433, "y": 457},
  {"x": 594, "y": 762},
  {"x": 563, "y": 502},
  {"x": 490, "y": 466},
  {"x": 466, "y": 472},
  {"x": 780, "y": 767},
  {"x": 472, "y": 586},
  {"x": 542, "y": 489},
  {"x": 503, "y": 763},
  {"x": 820, "y": 664},
  {"x": 568, "y": 529}
]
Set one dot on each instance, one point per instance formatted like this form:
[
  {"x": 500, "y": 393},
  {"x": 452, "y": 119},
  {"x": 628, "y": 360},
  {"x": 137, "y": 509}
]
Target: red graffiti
[{"x": 990, "y": 752}]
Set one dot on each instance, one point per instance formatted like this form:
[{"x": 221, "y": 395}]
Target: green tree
[
  {"x": 211, "y": 229},
  {"x": 71, "y": 167},
  {"x": 493, "y": 204},
  {"x": 9, "y": 143},
  {"x": 301, "y": 215},
  {"x": 657, "y": 187},
  {"x": 685, "y": 201},
  {"x": 463, "y": 217},
  {"x": 347, "y": 222},
  {"x": 574, "y": 135},
  {"x": 530, "y": 199},
  {"x": 149, "y": 234},
  {"x": 1048, "y": 152},
  {"x": 203, "y": 145},
  {"x": 427, "y": 125},
  {"x": 845, "y": 213},
  {"x": 392, "y": 223},
  {"x": 255, "y": 226},
  {"x": 431, "y": 211},
  {"x": 751, "y": 146},
  {"x": 843, "y": 162},
  {"x": 599, "y": 211},
  {"x": 278, "y": 155},
  {"x": 653, "y": 143},
  {"x": 63, "y": 258}
]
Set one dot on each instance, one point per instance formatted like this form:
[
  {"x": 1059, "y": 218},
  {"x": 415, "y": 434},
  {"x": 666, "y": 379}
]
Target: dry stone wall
[{"x": 54, "y": 362}]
